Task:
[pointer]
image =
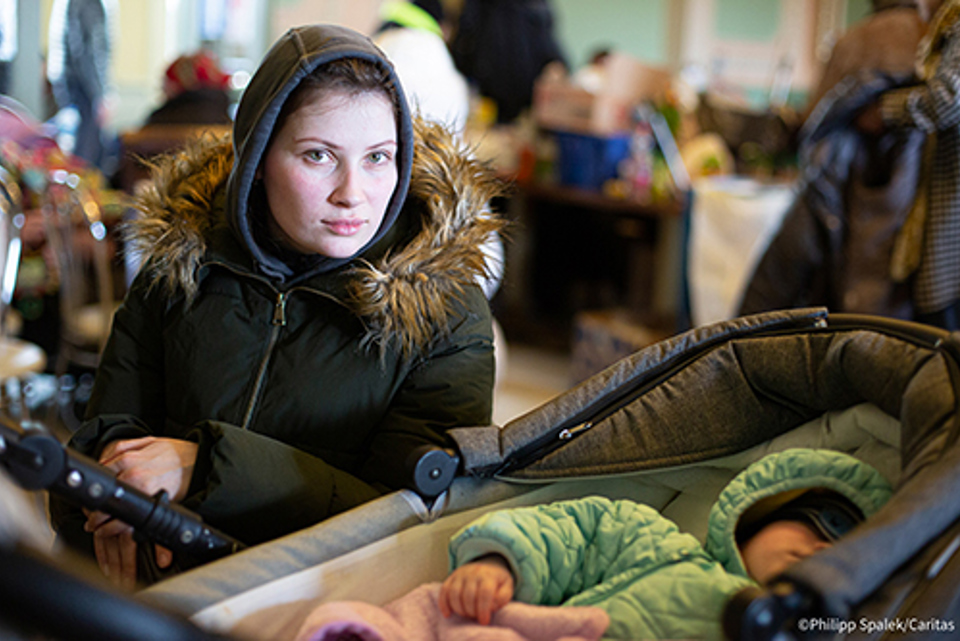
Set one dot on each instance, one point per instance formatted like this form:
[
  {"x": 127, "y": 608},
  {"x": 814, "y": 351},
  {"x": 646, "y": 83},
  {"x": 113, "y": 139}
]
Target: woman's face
[{"x": 330, "y": 171}]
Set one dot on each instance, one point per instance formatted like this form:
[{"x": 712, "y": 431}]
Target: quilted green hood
[{"x": 792, "y": 469}]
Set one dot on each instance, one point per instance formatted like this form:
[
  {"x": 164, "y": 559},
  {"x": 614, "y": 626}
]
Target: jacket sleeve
[
  {"x": 257, "y": 488},
  {"x": 452, "y": 387},
  {"x": 559, "y": 550},
  {"x": 249, "y": 485},
  {"x": 933, "y": 105},
  {"x": 127, "y": 399}
]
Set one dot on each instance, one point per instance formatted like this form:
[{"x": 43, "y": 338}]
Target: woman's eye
[
  {"x": 318, "y": 155},
  {"x": 380, "y": 157}
]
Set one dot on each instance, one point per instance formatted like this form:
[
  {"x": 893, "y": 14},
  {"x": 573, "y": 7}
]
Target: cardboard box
[{"x": 562, "y": 106}]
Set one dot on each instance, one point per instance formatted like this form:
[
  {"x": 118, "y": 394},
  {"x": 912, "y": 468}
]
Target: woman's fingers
[
  {"x": 116, "y": 552},
  {"x": 95, "y": 520},
  {"x": 152, "y": 464},
  {"x": 116, "y": 448},
  {"x": 164, "y": 557},
  {"x": 128, "y": 560}
]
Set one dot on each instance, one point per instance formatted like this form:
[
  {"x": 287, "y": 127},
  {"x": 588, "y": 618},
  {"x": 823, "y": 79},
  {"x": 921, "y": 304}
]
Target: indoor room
[{"x": 560, "y": 256}]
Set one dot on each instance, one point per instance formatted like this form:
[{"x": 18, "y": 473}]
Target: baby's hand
[{"x": 477, "y": 589}]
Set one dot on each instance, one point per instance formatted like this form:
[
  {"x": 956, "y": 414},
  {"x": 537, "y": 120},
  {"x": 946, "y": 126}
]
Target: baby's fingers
[
  {"x": 468, "y": 599},
  {"x": 503, "y": 595},
  {"x": 450, "y": 596},
  {"x": 485, "y": 602}
]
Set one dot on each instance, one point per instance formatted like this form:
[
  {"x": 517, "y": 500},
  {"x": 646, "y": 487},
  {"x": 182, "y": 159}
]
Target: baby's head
[
  {"x": 814, "y": 495},
  {"x": 785, "y": 528}
]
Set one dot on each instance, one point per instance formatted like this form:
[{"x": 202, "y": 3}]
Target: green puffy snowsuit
[{"x": 654, "y": 581}]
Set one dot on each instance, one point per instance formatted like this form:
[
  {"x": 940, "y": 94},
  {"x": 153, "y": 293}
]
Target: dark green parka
[{"x": 306, "y": 381}]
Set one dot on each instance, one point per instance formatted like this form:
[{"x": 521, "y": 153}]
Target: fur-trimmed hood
[{"x": 404, "y": 295}]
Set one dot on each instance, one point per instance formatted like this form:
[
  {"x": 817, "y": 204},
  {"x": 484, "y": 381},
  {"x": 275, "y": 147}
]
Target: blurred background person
[
  {"x": 502, "y": 46},
  {"x": 78, "y": 66},
  {"x": 897, "y": 24},
  {"x": 413, "y": 35},
  {"x": 196, "y": 91},
  {"x": 840, "y": 244},
  {"x": 928, "y": 249}
]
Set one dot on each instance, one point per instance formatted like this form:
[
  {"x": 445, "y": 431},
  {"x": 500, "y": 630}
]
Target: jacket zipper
[{"x": 279, "y": 322}]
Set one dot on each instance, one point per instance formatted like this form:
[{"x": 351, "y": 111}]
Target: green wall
[
  {"x": 747, "y": 20},
  {"x": 857, "y": 9},
  {"x": 636, "y": 27}
]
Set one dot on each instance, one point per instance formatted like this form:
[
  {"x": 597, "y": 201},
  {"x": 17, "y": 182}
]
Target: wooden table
[{"x": 572, "y": 249}]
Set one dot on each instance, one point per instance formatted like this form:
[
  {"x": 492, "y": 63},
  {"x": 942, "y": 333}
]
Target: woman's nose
[{"x": 348, "y": 192}]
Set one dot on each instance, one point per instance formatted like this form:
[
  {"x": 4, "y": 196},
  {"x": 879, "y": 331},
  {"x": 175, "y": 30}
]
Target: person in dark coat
[
  {"x": 308, "y": 314},
  {"x": 929, "y": 246},
  {"x": 838, "y": 244},
  {"x": 502, "y": 46},
  {"x": 196, "y": 91},
  {"x": 898, "y": 24}
]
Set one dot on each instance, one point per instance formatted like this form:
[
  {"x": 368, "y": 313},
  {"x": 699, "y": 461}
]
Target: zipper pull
[
  {"x": 569, "y": 432},
  {"x": 280, "y": 310}
]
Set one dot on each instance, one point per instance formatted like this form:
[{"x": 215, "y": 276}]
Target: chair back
[
  {"x": 11, "y": 221},
  {"x": 78, "y": 236}
]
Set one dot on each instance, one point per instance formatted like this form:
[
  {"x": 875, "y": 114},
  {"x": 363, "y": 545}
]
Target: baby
[{"x": 653, "y": 580}]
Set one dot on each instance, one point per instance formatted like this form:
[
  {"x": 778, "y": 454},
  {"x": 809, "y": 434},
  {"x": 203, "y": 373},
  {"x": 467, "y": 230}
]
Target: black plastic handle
[{"x": 36, "y": 460}]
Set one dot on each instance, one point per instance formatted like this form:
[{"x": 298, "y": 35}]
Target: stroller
[{"x": 668, "y": 426}]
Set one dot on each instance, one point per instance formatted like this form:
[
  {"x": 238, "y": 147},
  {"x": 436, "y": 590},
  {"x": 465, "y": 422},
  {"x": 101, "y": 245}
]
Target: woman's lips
[{"x": 345, "y": 227}]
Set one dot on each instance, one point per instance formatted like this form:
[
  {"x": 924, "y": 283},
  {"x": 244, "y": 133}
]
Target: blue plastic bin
[{"x": 589, "y": 161}]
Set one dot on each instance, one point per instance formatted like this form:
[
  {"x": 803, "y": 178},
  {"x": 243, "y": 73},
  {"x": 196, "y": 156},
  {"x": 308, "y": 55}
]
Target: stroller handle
[{"x": 36, "y": 460}]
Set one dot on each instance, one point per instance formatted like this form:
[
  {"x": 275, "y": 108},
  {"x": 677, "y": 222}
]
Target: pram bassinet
[{"x": 668, "y": 426}]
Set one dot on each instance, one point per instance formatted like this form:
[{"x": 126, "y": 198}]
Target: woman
[{"x": 302, "y": 323}]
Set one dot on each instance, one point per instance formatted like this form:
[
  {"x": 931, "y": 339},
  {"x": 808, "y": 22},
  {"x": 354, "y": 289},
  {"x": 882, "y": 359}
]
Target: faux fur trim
[
  {"x": 177, "y": 212},
  {"x": 405, "y": 299}
]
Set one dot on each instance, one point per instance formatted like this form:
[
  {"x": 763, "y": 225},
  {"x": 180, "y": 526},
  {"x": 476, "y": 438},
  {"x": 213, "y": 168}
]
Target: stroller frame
[{"x": 697, "y": 407}]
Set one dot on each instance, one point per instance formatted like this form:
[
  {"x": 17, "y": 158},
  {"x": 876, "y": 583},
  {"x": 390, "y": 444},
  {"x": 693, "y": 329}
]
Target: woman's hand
[
  {"x": 478, "y": 589},
  {"x": 149, "y": 464},
  {"x": 116, "y": 549}
]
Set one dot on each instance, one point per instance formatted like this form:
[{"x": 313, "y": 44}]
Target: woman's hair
[{"x": 351, "y": 76}]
